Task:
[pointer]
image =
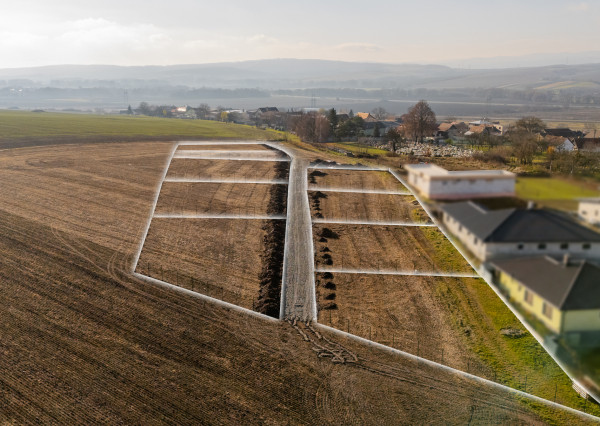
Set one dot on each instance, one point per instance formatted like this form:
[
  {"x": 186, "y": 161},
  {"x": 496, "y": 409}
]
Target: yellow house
[{"x": 562, "y": 294}]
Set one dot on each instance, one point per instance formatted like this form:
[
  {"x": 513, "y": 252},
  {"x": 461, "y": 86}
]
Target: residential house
[
  {"x": 494, "y": 234},
  {"x": 564, "y": 132},
  {"x": 588, "y": 144},
  {"x": 589, "y": 210},
  {"x": 563, "y": 294},
  {"x": 454, "y": 130},
  {"x": 437, "y": 183}
]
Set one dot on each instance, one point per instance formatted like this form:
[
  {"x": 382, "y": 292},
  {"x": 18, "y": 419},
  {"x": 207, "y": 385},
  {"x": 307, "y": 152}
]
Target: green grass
[
  {"x": 520, "y": 363},
  {"x": 357, "y": 148},
  {"x": 553, "y": 192},
  {"x": 18, "y": 125}
]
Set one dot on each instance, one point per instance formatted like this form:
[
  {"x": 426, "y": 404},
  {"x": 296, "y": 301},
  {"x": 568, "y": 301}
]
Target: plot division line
[
  {"x": 218, "y": 216},
  {"x": 226, "y": 180},
  {"x": 372, "y": 222},
  {"x": 361, "y": 191},
  {"x": 398, "y": 273}
]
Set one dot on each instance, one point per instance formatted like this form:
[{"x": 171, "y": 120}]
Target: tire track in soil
[{"x": 338, "y": 354}]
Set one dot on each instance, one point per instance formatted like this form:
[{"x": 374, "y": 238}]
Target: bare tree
[
  {"x": 394, "y": 137},
  {"x": 531, "y": 124},
  {"x": 202, "y": 111},
  {"x": 524, "y": 146},
  {"x": 420, "y": 121},
  {"x": 379, "y": 113}
]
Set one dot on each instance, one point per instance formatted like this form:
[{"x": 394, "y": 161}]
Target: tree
[
  {"x": 379, "y": 113},
  {"x": 333, "y": 121},
  {"x": 420, "y": 121},
  {"x": 376, "y": 131},
  {"x": 524, "y": 146},
  {"x": 531, "y": 124},
  {"x": 202, "y": 111},
  {"x": 351, "y": 127},
  {"x": 224, "y": 115},
  {"x": 394, "y": 137},
  {"x": 312, "y": 127}
]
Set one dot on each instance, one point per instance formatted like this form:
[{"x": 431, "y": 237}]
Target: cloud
[
  {"x": 359, "y": 47},
  {"x": 579, "y": 7}
]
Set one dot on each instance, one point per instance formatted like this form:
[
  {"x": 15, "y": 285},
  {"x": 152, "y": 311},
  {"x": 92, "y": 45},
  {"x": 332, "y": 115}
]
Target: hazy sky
[{"x": 140, "y": 32}]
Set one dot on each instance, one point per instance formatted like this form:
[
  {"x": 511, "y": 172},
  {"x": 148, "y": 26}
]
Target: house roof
[
  {"x": 364, "y": 115},
  {"x": 513, "y": 225},
  {"x": 571, "y": 285},
  {"x": 444, "y": 127},
  {"x": 563, "y": 132}
]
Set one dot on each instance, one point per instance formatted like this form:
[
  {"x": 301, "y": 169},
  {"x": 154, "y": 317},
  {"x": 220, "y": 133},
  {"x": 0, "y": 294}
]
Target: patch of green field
[
  {"x": 357, "y": 148},
  {"x": 553, "y": 192},
  {"x": 568, "y": 85},
  {"x": 15, "y": 125},
  {"x": 520, "y": 363}
]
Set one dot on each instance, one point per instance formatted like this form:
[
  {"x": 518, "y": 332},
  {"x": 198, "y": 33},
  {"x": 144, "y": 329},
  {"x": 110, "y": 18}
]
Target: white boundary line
[
  {"x": 225, "y": 180},
  {"x": 458, "y": 372},
  {"x": 348, "y": 167},
  {"x": 395, "y": 272},
  {"x": 204, "y": 297},
  {"x": 225, "y": 151},
  {"x": 371, "y": 223},
  {"x": 360, "y": 191},
  {"x": 136, "y": 258},
  {"x": 217, "y": 216},
  {"x": 219, "y": 142},
  {"x": 232, "y": 158},
  {"x": 487, "y": 280}
]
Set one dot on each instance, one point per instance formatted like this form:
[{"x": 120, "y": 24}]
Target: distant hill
[{"x": 299, "y": 73}]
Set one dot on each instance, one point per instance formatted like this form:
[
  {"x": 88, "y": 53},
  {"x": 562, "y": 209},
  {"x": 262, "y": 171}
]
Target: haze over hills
[
  {"x": 298, "y": 73},
  {"x": 554, "y": 91}
]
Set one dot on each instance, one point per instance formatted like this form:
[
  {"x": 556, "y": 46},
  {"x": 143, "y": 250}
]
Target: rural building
[
  {"x": 493, "y": 234},
  {"x": 589, "y": 210},
  {"x": 454, "y": 130},
  {"x": 437, "y": 183},
  {"x": 563, "y": 294}
]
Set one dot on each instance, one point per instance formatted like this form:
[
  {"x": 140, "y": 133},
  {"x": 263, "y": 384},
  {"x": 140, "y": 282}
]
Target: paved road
[{"x": 298, "y": 290}]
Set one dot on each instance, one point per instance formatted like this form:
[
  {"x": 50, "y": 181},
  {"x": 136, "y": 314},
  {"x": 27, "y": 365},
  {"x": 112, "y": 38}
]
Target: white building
[
  {"x": 495, "y": 234},
  {"x": 437, "y": 183},
  {"x": 589, "y": 210}
]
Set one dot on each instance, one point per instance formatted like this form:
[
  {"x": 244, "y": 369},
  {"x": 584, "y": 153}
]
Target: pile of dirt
[{"x": 269, "y": 295}]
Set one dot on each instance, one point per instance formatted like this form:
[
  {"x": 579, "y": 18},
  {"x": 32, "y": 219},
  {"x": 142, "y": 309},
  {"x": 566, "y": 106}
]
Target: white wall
[
  {"x": 463, "y": 188},
  {"x": 589, "y": 212},
  {"x": 487, "y": 251}
]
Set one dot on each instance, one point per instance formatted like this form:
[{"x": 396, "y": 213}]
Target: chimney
[
  {"x": 565, "y": 261},
  {"x": 530, "y": 205}
]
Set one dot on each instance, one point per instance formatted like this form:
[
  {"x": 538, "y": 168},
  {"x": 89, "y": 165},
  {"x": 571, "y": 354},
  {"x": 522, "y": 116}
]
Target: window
[
  {"x": 475, "y": 240},
  {"x": 541, "y": 246},
  {"x": 529, "y": 297},
  {"x": 520, "y": 246},
  {"x": 564, "y": 246},
  {"x": 547, "y": 310},
  {"x": 459, "y": 228},
  {"x": 583, "y": 212},
  {"x": 587, "y": 246}
]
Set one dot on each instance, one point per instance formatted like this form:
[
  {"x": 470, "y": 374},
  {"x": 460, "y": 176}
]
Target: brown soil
[
  {"x": 354, "y": 179},
  {"x": 400, "y": 312},
  {"x": 85, "y": 342},
  {"x": 216, "y": 257},
  {"x": 383, "y": 247},
  {"x": 215, "y": 198},
  {"x": 365, "y": 206},
  {"x": 242, "y": 169}
]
